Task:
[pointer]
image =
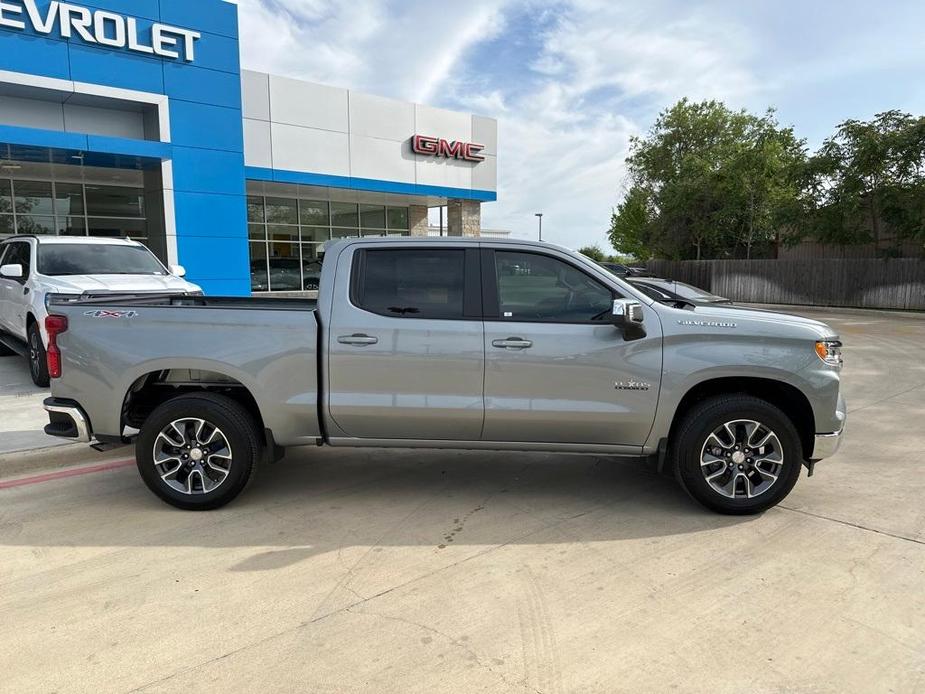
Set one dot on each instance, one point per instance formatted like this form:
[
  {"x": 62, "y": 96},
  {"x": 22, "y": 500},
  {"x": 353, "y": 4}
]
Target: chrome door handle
[
  {"x": 512, "y": 343},
  {"x": 358, "y": 340}
]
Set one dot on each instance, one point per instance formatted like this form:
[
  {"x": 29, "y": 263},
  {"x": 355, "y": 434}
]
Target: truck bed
[{"x": 115, "y": 345}]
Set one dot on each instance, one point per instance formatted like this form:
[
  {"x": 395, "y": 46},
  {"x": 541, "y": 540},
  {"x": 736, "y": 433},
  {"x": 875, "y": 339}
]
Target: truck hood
[
  {"x": 740, "y": 314},
  {"x": 103, "y": 284}
]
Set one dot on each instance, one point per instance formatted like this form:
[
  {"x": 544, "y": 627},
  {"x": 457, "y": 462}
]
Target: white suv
[{"x": 36, "y": 268}]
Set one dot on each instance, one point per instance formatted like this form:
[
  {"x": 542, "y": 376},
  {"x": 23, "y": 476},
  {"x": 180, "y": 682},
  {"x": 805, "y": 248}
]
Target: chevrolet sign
[{"x": 99, "y": 27}]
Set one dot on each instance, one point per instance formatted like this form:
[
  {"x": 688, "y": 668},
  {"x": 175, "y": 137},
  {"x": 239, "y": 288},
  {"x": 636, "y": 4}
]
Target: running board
[{"x": 14, "y": 343}]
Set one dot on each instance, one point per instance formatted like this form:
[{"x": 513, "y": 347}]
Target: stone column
[
  {"x": 464, "y": 217},
  {"x": 417, "y": 220}
]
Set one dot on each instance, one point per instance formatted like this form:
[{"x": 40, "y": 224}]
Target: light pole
[{"x": 539, "y": 216}]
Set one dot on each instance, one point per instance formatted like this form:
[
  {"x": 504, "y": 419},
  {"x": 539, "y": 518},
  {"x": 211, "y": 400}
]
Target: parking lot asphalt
[{"x": 401, "y": 571}]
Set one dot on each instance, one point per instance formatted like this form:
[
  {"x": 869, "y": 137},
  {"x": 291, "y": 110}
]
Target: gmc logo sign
[{"x": 438, "y": 147}]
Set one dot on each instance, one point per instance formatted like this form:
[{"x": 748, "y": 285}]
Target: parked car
[
  {"x": 670, "y": 290},
  {"x": 36, "y": 269},
  {"x": 622, "y": 270},
  {"x": 449, "y": 343},
  {"x": 285, "y": 275}
]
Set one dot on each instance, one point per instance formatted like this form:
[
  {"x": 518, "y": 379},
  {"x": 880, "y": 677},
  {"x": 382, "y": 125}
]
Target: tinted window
[
  {"x": 411, "y": 283},
  {"x": 19, "y": 254},
  {"x": 534, "y": 287},
  {"x": 91, "y": 259}
]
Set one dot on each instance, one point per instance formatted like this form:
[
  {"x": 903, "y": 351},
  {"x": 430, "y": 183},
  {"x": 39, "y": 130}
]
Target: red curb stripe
[{"x": 63, "y": 474}]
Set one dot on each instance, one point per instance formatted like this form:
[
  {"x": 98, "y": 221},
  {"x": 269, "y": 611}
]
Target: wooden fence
[{"x": 897, "y": 283}]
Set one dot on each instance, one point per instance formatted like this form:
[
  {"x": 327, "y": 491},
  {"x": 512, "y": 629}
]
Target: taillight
[{"x": 54, "y": 326}]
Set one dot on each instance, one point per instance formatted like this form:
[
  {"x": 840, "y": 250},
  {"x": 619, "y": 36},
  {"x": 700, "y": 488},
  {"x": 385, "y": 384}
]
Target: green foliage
[
  {"x": 707, "y": 181},
  {"x": 593, "y": 252},
  {"x": 866, "y": 182}
]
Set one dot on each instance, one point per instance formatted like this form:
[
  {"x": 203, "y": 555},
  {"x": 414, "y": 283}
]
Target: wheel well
[
  {"x": 153, "y": 389},
  {"x": 784, "y": 396}
]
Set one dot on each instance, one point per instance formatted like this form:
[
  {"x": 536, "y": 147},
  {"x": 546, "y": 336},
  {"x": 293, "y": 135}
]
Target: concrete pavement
[
  {"x": 22, "y": 418},
  {"x": 348, "y": 571}
]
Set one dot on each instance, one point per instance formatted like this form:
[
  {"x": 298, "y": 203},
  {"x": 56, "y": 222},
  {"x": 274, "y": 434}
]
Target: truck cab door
[
  {"x": 16, "y": 293},
  {"x": 405, "y": 344},
  {"x": 557, "y": 370}
]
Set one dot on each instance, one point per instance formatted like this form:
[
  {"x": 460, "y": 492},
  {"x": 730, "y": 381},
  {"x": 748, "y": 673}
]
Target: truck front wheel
[
  {"x": 737, "y": 454},
  {"x": 198, "y": 452}
]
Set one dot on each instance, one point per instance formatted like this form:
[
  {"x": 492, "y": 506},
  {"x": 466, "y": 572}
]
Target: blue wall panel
[
  {"x": 208, "y": 171},
  {"x": 115, "y": 68},
  {"x": 33, "y": 55},
  {"x": 206, "y": 126},
  {"x": 215, "y": 257},
  {"x": 202, "y": 85},
  {"x": 206, "y": 214}
]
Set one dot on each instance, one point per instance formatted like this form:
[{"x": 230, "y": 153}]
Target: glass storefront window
[
  {"x": 316, "y": 234},
  {"x": 69, "y": 199},
  {"x": 255, "y": 210},
  {"x": 117, "y": 228},
  {"x": 344, "y": 233},
  {"x": 311, "y": 266},
  {"x": 35, "y": 224},
  {"x": 283, "y": 233},
  {"x": 344, "y": 214},
  {"x": 6, "y": 197},
  {"x": 398, "y": 218},
  {"x": 314, "y": 213},
  {"x": 285, "y": 267},
  {"x": 6, "y": 224},
  {"x": 258, "y": 232},
  {"x": 372, "y": 216},
  {"x": 259, "y": 276},
  {"x": 72, "y": 226},
  {"x": 282, "y": 211},
  {"x": 33, "y": 197},
  {"x": 114, "y": 201}
]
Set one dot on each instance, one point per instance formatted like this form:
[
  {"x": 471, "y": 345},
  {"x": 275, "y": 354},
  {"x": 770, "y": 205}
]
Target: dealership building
[{"x": 135, "y": 118}]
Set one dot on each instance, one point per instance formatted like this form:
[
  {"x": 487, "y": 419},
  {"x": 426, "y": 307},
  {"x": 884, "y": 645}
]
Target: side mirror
[
  {"x": 177, "y": 270},
  {"x": 13, "y": 272},
  {"x": 629, "y": 317}
]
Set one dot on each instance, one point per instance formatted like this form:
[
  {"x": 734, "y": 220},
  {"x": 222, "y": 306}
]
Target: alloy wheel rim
[
  {"x": 742, "y": 459},
  {"x": 34, "y": 354},
  {"x": 192, "y": 456}
]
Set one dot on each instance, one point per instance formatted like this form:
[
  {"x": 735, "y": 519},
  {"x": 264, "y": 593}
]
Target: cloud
[{"x": 572, "y": 80}]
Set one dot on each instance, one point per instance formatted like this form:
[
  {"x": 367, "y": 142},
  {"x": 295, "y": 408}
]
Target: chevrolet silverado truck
[{"x": 454, "y": 344}]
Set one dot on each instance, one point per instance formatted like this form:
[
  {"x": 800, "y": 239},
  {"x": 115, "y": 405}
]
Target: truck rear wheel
[
  {"x": 198, "y": 452},
  {"x": 737, "y": 454}
]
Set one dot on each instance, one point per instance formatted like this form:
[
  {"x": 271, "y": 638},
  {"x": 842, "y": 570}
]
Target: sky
[{"x": 571, "y": 81}]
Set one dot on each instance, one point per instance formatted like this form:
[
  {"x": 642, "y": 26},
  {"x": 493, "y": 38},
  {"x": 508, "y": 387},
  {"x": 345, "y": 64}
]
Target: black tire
[
  {"x": 38, "y": 358},
  {"x": 710, "y": 415},
  {"x": 236, "y": 425}
]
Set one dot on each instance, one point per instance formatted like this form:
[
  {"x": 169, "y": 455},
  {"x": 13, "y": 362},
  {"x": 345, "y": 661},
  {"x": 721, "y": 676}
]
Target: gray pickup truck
[{"x": 449, "y": 343}]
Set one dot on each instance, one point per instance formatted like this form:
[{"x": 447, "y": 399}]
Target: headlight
[
  {"x": 199, "y": 293},
  {"x": 829, "y": 351}
]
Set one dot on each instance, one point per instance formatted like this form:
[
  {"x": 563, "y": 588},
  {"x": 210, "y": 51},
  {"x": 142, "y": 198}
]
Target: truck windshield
[{"x": 59, "y": 259}]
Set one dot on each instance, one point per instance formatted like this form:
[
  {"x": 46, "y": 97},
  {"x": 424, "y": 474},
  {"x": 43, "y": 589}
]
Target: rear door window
[{"x": 416, "y": 283}]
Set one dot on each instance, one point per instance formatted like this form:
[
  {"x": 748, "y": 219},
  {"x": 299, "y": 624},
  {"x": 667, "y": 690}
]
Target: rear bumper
[
  {"x": 827, "y": 445},
  {"x": 67, "y": 420}
]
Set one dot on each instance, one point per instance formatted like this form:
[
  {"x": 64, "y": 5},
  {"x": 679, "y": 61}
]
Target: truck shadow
[{"x": 325, "y": 500}]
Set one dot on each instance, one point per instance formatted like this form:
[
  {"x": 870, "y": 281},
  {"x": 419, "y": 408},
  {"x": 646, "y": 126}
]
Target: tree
[
  {"x": 707, "y": 181},
  {"x": 593, "y": 252},
  {"x": 867, "y": 181}
]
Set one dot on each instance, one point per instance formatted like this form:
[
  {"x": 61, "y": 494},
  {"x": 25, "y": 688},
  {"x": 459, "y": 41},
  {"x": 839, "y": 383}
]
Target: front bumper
[
  {"x": 827, "y": 445},
  {"x": 67, "y": 420}
]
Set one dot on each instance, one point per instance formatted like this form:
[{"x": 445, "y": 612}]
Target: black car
[
  {"x": 624, "y": 270},
  {"x": 670, "y": 290}
]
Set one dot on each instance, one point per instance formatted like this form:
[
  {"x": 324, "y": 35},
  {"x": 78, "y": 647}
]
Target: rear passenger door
[{"x": 406, "y": 344}]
